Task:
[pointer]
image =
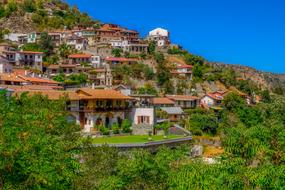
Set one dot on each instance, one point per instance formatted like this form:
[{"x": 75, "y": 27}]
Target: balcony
[{"x": 98, "y": 109}]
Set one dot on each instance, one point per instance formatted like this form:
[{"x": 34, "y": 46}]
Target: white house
[
  {"x": 5, "y": 66},
  {"x": 213, "y": 99},
  {"x": 17, "y": 37},
  {"x": 158, "y": 32},
  {"x": 160, "y": 36},
  {"x": 77, "y": 42},
  {"x": 25, "y": 58},
  {"x": 143, "y": 116}
]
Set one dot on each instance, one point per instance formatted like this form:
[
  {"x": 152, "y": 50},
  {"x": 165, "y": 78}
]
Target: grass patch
[{"x": 131, "y": 139}]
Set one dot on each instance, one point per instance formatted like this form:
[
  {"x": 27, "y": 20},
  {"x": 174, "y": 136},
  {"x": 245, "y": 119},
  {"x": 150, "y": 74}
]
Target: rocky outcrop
[{"x": 265, "y": 80}]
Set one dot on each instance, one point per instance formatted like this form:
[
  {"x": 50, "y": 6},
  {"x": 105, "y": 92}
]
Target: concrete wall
[
  {"x": 207, "y": 100},
  {"x": 136, "y": 112}
]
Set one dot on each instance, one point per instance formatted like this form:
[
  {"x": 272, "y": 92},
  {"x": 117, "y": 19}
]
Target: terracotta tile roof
[
  {"x": 156, "y": 101},
  {"x": 184, "y": 66},
  {"x": 99, "y": 70},
  {"x": 38, "y": 80},
  {"x": 74, "y": 56},
  {"x": 62, "y": 66},
  {"x": 53, "y": 66},
  {"x": 10, "y": 77},
  {"x": 20, "y": 71},
  {"x": 182, "y": 97},
  {"x": 121, "y": 59},
  {"x": 32, "y": 87},
  {"x": 215, "y": 96},
  {"x": 51, "y": 94},
  {"x": 30, "y": 52},
  {"x": 102, "y": 94}
]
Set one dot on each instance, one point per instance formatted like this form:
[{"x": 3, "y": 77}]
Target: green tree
[
  {"x": 265, "y": 94},
  {"x": 151, "y": 47},
  {"x": 65, "y": 50},
  {"x": 46, "y": 44},
  {"x": 2, "y": 11},
  {"x": 31, "y": 47},
  {"x": 197, "y": 72},
  {"x": 29, "y": 6},
  {"x": 203, "y": 123},
  {"x": 117, "y": 52},
  {"x": 36, "y": 144},
  {"x": 233, "y": 101},
  {"x": 11, "y": 7},
  {"x": 3, "y": 32}
]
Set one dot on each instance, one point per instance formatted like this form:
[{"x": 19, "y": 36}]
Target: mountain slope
[{"x": 37, "y": 15}]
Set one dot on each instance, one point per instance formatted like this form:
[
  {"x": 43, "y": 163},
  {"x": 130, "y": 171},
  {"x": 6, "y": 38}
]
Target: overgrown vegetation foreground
[{"x": 39, "y": 149}]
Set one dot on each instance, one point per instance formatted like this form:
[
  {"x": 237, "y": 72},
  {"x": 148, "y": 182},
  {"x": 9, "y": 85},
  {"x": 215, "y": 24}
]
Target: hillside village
[
  {"x": 111, "y": 74},
  {"x": 91, "y": 105}
]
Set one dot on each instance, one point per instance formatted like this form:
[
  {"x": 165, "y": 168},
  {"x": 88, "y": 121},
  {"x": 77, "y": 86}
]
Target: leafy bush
[
  {"x": 29, "y": 6},
  {"x": 126, "y": 126},
  {"x": 104, "y": 130},
  {"x": 115, "y": 128},
  {"x": 207, "y": 123}
]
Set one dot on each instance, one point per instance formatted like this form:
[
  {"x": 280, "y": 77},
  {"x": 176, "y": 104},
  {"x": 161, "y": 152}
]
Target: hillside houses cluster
[
  {"x": 94, "y": 46},
  {"x": 102, "y": 103}
]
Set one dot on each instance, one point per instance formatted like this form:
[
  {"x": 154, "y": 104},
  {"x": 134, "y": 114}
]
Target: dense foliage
[
  {"x": 73, "y": 79},
  {"x": 36, "y": 144},
  {"x": 39, "y": 149},
  {"x": 139, "y": 71},
  {"x": 50, "y": 14}
]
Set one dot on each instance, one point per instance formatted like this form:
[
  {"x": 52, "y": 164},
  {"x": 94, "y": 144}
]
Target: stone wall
[{"x": 141, "y": 129}]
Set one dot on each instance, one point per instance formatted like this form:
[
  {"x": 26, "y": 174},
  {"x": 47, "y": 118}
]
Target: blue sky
[{"x": 246, "y": 32}]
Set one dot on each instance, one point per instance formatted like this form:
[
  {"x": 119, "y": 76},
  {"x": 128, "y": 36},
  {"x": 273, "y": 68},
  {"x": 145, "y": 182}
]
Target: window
[
  {"x": 118, "y": 103},
  {"x": 99, "y": 103},
  {"x": 143, "y": 120}
]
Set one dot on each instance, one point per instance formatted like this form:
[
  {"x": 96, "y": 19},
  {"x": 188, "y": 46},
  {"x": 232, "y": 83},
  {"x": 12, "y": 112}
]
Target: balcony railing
[{"x": 98, "y": 109}]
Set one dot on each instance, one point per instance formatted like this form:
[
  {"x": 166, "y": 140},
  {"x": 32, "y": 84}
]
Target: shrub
[
  {"x": 115, "y": 128},
  {"x": 126, "y": 126},
  {"x": 104, "y": 130}
]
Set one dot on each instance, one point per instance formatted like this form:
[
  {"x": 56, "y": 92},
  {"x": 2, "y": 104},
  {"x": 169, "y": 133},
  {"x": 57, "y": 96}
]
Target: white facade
[
  {"x": 77, "y": 45},
  {"x": 78, "y": 33},
  {"x": 32, "y": 37},
  {"x": 90, "y": 119},
  {"x": 96, "y": 61},
  {"x": 158, "y": 32},
  {"x": 142, "y": 116},
  {"x": 206, "y": 100},
  {"x": 14, "y": 37},
  {"x": 5, "y": 66},
  {"x": 161, "y": 43}
]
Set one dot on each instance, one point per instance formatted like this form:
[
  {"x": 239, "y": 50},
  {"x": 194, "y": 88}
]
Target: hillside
[
  {"x": 274, "y": 82},
  {"x": 22, "y": 16}
]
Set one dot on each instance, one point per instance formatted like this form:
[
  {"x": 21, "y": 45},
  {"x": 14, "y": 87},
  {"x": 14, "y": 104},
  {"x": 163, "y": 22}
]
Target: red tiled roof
[
  {"x": 30, "y": 52},
  {"x": 20, "y": 71},
  {"x": 121, "y": 59},
  {"x": 32, "y": 87},
  {"x": 90, "y": 93},
  {"x": 182, "y": 97},
  {"x": 184, "y": 66},
  {"x": 38, "y": 80},
  {"x": 80, "y": 56},
  {"x": 62, "y": 66},
  {"x": 162, "y": 101},
  {"x": 51, "y": 94},
  {"x": 11, "y": 77},
  {"x": 215, "y": 96}
]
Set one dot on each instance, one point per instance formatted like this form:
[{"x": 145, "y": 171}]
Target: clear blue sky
[{"x": 247, "y": 32}]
